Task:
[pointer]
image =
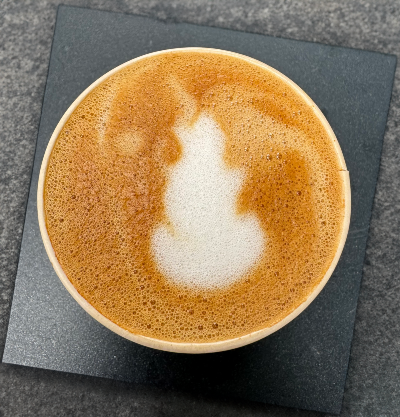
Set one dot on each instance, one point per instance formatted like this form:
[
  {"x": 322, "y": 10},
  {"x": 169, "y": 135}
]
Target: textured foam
[
  {"x": 205, "y": 243},
  {"x": 130, "y": 205}
]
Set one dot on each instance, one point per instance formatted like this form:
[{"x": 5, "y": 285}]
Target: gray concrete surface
[{"x": 26, "y": 28}]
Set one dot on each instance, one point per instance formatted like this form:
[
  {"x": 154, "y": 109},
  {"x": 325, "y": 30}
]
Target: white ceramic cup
[{"x": 192, "y": 347}]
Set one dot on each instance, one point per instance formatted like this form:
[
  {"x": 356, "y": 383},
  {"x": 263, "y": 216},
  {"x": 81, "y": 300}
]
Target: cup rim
[{"x": 182, "y": 347}]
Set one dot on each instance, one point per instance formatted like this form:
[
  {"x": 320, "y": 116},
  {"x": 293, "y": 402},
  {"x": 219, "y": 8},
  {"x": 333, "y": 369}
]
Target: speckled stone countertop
[{"x": 26, "y": 29}]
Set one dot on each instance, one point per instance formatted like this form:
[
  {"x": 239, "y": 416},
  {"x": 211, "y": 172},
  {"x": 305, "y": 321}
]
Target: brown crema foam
[{"x": 108, "y": 173}]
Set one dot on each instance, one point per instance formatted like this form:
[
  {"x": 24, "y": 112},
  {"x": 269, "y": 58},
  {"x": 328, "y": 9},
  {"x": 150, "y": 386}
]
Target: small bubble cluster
[{"x": 108, "y": 176}]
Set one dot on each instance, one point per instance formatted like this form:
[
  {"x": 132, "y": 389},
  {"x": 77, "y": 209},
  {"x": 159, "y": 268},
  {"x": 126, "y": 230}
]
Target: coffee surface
[{"x": 194, "y": 197}]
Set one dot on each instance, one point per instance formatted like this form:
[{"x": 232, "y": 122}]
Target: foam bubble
[{"x": 206, "y": 243}]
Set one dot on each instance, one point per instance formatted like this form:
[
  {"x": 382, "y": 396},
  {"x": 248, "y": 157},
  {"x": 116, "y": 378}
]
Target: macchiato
[{"x": 195, "y": 196}]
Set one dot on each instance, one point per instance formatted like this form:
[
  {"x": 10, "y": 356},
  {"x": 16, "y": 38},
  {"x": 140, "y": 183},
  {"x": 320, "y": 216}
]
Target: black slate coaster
[{"x": 303, "y": 365}]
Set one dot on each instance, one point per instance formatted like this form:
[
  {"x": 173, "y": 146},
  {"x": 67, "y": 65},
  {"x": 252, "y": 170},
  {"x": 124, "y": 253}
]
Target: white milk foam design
[{"x": 205, "y": 244}]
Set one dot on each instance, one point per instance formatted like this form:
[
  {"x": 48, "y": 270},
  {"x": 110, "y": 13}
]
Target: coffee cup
[{"x": 194, "y": 200}]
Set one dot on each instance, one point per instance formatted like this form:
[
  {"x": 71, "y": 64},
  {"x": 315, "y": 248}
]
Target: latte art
[
  {"x": 194, "y": 197},
  {"x": 205, "y": 243}
]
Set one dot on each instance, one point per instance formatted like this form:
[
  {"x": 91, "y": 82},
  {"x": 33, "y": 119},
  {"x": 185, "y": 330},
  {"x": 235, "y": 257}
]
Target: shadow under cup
[{"x": 205, "y": 347}]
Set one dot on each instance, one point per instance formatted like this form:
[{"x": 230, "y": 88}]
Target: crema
[{"x": 194, "y": 197}]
